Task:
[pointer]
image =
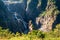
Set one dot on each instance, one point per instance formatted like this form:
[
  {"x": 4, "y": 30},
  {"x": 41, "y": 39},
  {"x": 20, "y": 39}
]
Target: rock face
[
  {"x": 16, "y": 14},
  {"x": 46, "y": 22},
  {"x": 12, "y": 16},
  {"x": 48, "y": 17}
]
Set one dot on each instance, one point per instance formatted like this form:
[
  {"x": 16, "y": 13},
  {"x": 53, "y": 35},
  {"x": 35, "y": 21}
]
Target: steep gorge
[{"x": 16, "y": 14}]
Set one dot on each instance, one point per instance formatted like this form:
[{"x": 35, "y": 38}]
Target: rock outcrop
[
  {"x": 48, "y": 17},
  {"x": 16, "y": 14}
]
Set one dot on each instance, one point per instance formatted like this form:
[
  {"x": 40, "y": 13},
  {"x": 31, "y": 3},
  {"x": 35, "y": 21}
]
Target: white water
[
  {"x": 8, "y": 2},
  {"x": 24, "y": 23},
  {"x": 28, "y": 4},
  {"x": 12, "y": 2}
]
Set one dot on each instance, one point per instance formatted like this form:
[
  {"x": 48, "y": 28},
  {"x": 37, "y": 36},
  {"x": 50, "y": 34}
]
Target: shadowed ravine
[{"x": 16, "y": 14}]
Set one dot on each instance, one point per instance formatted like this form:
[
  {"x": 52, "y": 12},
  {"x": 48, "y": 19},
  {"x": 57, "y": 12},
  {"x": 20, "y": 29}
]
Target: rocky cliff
[
  {"x": 16, "y": 14},
  {"x": 48, "y": 17}
]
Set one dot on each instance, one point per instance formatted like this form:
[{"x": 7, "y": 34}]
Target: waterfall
[
  {"x": 28, "y": 4},
  {"x": 12, "y": 2},
  {"x": 8, "y": 2},
  {"x": 15, "y": 14},
  {"x": 20, "y": 19}
]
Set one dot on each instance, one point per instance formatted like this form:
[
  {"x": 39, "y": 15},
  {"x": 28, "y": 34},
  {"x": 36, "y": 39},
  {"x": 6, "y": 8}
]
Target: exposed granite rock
[
  {"x": 48, "y": 18},
  {"x": 17, "y": 15}
]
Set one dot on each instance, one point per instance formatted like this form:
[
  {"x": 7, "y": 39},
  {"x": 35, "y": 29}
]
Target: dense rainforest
[{"x": 29, "y": 19}]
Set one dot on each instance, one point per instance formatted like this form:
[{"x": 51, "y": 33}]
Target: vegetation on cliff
[
  {"x": 45, "y": 14},
  {"x": 33, "y": 35}
]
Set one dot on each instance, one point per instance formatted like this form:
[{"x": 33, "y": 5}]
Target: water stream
[{"x": 16, "y": 15}]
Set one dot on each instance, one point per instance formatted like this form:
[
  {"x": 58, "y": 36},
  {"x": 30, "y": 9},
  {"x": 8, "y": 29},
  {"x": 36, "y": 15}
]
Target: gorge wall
[{"x": 16, "y": 14}]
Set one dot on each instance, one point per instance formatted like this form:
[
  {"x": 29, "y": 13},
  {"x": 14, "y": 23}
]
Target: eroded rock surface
[{"x": 16, "y": 14}]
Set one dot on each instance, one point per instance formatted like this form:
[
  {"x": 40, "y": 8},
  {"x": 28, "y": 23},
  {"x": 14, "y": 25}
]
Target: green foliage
[
  {"x": 33, "y": 35},
  {"x": 58, "y": 26},
  {"x": 5, "y": 33},
  {"x": 57, "y": 30}
]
